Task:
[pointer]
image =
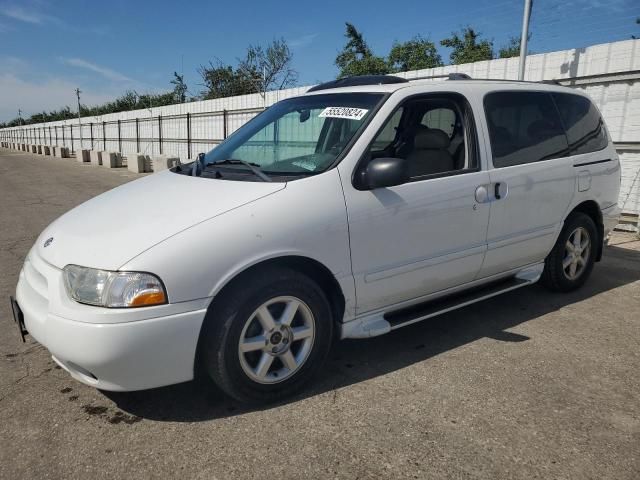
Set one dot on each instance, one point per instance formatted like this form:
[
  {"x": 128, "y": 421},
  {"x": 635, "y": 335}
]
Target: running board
[
  {"x": 416, "y": 313},
  {"x": 380, "y": 324}
]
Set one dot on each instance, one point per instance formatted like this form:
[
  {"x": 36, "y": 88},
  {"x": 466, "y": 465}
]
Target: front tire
[
  {"x": 571, "y": 261},
  {"x": 267, "y": 336}
]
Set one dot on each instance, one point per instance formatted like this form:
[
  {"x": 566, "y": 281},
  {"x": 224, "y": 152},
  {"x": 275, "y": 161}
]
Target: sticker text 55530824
[{"x": 344, "y": 112}]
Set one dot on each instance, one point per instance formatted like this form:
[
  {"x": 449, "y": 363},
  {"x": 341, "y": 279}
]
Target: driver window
[{"x": 430, "y": 134}]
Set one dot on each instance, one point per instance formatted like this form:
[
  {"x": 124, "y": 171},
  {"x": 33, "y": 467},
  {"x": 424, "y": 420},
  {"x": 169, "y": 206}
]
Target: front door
[{"x": 429, "y": 234}]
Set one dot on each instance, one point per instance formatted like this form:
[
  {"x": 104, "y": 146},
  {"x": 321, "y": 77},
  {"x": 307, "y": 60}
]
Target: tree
[
  {"x": 269, "y": 68},
  {"x": 262, "y": 69},
  {"x": 512, "y": 48},
  {"x": 415, "y": 54},
  {"x": 222, "y": 80},
  {"x": 356, "y": 58},
  {"x": 179, "y": 88},
  {"x": 468, "y": 47}
]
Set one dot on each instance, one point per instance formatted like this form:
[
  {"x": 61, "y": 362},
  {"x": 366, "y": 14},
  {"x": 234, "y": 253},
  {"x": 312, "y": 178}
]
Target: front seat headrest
[{"x": 432, "y": 139}]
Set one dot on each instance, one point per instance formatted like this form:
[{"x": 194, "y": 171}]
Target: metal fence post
[
  {"x": 91, "y": 128},
  {"x": 55, "y": 127},
  {"x": 188, "y": 135},
  {"x": 104, "y": 136},
  {"x": 64, "y": 143},
  {"x": 71, "y": 128},
  {"x": 160, "y": 133},
  {"x": 119, "y": 138},
  {"x": 224, "y": 123},
  {"x": 137, "y": 136}
]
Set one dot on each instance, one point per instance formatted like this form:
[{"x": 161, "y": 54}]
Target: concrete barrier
[
  {"x": 111, "y": 159},
  {"x": 96, "y": 157},
  {"x": 62, "y": 152},
  {"x": 46, "y": 150},
  {"x": 39, "y": 149},
  {"x": 163, "y": 162},
  {"x": 138, "y": 163},
  {"x": 82, "y": 156}
]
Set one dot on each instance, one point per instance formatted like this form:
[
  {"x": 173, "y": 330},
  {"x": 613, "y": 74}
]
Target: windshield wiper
[{"x": 254, "y": 167}]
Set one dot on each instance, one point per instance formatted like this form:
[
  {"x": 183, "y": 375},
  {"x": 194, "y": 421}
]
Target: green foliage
[
  {"x": 129, "y": 101},
  {"x": 269, "y": 68},
  {"x": 179, "y": 88},
  {"x": 222, "y": 80},
  {"x": 415, "y": 54},
  {"x": 356, "y": 58},
  {"x": 468, "y": 47},
  {"x": 262, "y": 69},
  {"x": 512, "y": 48}
]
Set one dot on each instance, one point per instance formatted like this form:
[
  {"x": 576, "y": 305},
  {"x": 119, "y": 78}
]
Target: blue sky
[{"x": 47, "y": 48}]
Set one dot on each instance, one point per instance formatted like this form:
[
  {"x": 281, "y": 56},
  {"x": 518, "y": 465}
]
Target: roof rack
[
  {"x": 358, "y": 80},
  {"x": 448, "y": 76}
]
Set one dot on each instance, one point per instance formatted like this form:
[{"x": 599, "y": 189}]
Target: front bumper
[{"x": 118, "y": 356}]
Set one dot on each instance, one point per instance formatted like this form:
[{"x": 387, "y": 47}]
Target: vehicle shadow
[{"x": 353, "y": 361}]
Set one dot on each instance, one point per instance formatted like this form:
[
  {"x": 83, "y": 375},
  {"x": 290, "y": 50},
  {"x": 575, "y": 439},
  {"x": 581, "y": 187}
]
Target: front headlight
[{"x": 113, "y": 289}]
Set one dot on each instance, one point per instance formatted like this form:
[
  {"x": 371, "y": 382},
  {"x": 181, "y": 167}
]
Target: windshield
[{"x": 300, "y": 135}]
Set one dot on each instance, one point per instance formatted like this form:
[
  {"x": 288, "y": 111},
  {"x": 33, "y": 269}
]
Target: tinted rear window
[
  {"x": 524, "y": 127},
  {"x": 582, "y": 122}
]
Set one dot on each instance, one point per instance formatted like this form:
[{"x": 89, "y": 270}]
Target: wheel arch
[
  {"x": 592, "y": 209},
  {"x": 306, "y": 265}
]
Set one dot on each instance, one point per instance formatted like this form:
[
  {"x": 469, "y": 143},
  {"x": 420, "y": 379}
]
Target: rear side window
[
  {"x": 582, "y": 122},
  {"x": 524, "y": 127}
]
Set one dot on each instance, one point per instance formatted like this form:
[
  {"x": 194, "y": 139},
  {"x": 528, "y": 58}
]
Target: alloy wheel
[
  {"x": 576, "y": 253},
  {"x": 276, "y": 340}
]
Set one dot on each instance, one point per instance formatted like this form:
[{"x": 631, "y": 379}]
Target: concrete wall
[{"x": 609, "y": 73}]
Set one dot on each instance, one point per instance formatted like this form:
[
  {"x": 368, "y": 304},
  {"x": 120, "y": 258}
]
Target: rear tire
[
  {"x": 571, "y": 261},
  {"x": 268, "y": 336}
]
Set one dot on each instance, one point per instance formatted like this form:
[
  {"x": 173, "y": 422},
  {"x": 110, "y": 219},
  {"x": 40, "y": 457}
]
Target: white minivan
[{"x": 366, "y": 204}]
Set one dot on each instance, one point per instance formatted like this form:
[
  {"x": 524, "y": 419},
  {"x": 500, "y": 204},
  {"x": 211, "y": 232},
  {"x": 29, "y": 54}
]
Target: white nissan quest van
[{"x": 365, "y": 205}]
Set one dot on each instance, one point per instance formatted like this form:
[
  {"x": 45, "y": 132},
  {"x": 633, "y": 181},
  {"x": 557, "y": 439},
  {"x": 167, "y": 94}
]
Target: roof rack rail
[
  {"x": 448, "y": 76},
  {"x": 358, "y": 80},
  {"x": 548, "y": 82}
]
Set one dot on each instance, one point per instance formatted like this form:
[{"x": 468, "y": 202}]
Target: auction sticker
[{"x": 344, "y": 112}]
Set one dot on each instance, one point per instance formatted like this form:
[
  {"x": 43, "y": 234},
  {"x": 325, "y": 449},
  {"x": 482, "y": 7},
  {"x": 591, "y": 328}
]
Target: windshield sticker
[
  {"x": 307, "y": 165},
  {"x": 344, "y": 112}
]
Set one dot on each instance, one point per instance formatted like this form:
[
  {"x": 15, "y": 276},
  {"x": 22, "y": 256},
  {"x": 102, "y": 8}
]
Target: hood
[{"x": 112, "y": 228}]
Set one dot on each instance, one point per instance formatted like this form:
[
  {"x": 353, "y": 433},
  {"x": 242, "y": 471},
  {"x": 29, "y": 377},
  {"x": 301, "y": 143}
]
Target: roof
[{"x": 419, "y": 84}]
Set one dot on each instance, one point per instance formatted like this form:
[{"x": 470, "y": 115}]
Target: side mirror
[{"x": 383, "y": 172}]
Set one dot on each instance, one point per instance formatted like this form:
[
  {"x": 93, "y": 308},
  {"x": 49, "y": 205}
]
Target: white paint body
[{"x": 387, "y": 248}]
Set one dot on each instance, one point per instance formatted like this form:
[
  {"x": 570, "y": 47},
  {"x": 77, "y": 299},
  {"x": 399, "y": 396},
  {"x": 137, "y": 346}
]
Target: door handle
[{"x": 500, "y": 190}]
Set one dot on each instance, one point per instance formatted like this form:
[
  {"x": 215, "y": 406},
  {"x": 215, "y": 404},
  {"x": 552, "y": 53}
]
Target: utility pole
[
  {"x": 78, "y": 92},
  {"x": 524, "y": 37},
  {"x": 20, "y": 122}
]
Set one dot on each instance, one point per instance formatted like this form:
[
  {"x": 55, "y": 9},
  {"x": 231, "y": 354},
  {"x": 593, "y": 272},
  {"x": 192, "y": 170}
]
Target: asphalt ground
[{"x": 526, "y": 385}]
